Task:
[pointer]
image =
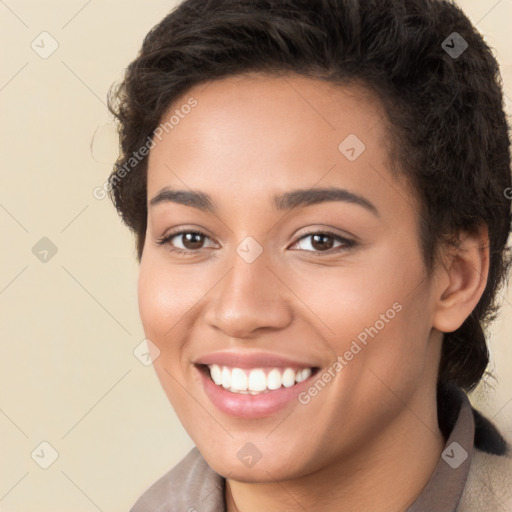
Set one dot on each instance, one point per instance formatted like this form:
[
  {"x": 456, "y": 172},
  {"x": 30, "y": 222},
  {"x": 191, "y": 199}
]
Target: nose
[{"x": 248, "y": 300}]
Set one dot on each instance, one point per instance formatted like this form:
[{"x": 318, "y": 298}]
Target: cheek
[
  {"x": 347, "y": 301},
  {"x": 375, "y": 316},
  {"x": 164, "y": 298}
]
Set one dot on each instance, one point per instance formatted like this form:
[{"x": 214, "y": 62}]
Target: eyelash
[{"x": 347, "y": 244}]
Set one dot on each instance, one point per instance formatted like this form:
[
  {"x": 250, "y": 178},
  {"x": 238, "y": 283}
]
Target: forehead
[{"x": 259, "y": 134}]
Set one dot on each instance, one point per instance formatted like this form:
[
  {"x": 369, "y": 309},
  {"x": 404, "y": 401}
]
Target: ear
[{"x": 461, "y": 279}]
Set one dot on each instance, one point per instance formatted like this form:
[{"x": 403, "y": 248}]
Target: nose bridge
[{"x": 249, "y": 297}]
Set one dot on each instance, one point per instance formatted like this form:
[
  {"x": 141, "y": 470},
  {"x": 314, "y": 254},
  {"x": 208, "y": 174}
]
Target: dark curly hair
[{"x": 450, "y": 137}]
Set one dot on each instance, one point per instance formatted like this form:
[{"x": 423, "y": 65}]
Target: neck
[{"x": 387, "y": 475}]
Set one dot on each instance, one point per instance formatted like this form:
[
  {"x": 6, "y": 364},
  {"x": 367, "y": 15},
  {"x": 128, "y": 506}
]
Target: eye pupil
[
  {"x": 317, "y": 244},
  {"x": 192, "y": 240}
]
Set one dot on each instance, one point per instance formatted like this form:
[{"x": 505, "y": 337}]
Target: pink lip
[
  {"x": 252, "y": 360},
  {"x": 250, "y": 406}
]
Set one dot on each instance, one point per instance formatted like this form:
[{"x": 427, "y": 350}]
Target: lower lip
[{"x": 251, "y": 406}]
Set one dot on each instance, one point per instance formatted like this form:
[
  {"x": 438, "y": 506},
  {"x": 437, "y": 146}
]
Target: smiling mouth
[{"x": 255, "y": 381}]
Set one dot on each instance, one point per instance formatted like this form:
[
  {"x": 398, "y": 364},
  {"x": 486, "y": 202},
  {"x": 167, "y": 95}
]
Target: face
[{"x": 289, "y": 264}]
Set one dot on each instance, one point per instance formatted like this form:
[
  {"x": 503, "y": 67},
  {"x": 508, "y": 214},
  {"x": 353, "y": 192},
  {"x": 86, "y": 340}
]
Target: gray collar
[{"x": 444, "y": 489}]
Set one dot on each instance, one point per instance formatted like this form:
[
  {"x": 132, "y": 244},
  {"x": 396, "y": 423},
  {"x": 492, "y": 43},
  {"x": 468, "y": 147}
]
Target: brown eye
[
  {"x": 185, "y": 242},
  {"x": 192, "y": 240},
  {"x": 324, "y": 242}
]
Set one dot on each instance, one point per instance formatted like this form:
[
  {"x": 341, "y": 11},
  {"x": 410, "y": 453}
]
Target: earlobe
[{"x": 465, "y": 272}]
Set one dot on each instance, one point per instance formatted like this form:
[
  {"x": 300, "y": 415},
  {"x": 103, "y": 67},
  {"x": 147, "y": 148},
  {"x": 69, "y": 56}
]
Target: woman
[{"x": 318, "y": 192}]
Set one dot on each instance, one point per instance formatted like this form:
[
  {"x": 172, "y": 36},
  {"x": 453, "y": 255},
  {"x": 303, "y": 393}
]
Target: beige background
[{"x": 68, "y": 374}]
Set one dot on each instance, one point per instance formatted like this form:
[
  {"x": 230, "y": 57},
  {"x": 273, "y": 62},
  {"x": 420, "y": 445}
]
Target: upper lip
[{"x": 251, "y": 360}]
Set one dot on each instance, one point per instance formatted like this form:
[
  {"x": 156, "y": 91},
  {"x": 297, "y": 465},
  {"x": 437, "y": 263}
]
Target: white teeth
[
  {"x": 303, "y": 375},
  {"x": 226, "y": 378},
  {"x": 239, "y": 380},
  {"x": 288, "y": 378},
  {"x": 256, "y": 381},
  {"x": 274, "y": 379},
  {"x": 216, "y": 374}
]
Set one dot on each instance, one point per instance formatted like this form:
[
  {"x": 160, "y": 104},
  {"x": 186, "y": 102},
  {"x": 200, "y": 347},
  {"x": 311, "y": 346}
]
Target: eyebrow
[{"x": 289, "y": 200}]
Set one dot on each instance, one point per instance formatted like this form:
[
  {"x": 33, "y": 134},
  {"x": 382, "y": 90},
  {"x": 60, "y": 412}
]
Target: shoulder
[
  {"x": 189, "y": 486},
  {"x": 489, "y": 483}
]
